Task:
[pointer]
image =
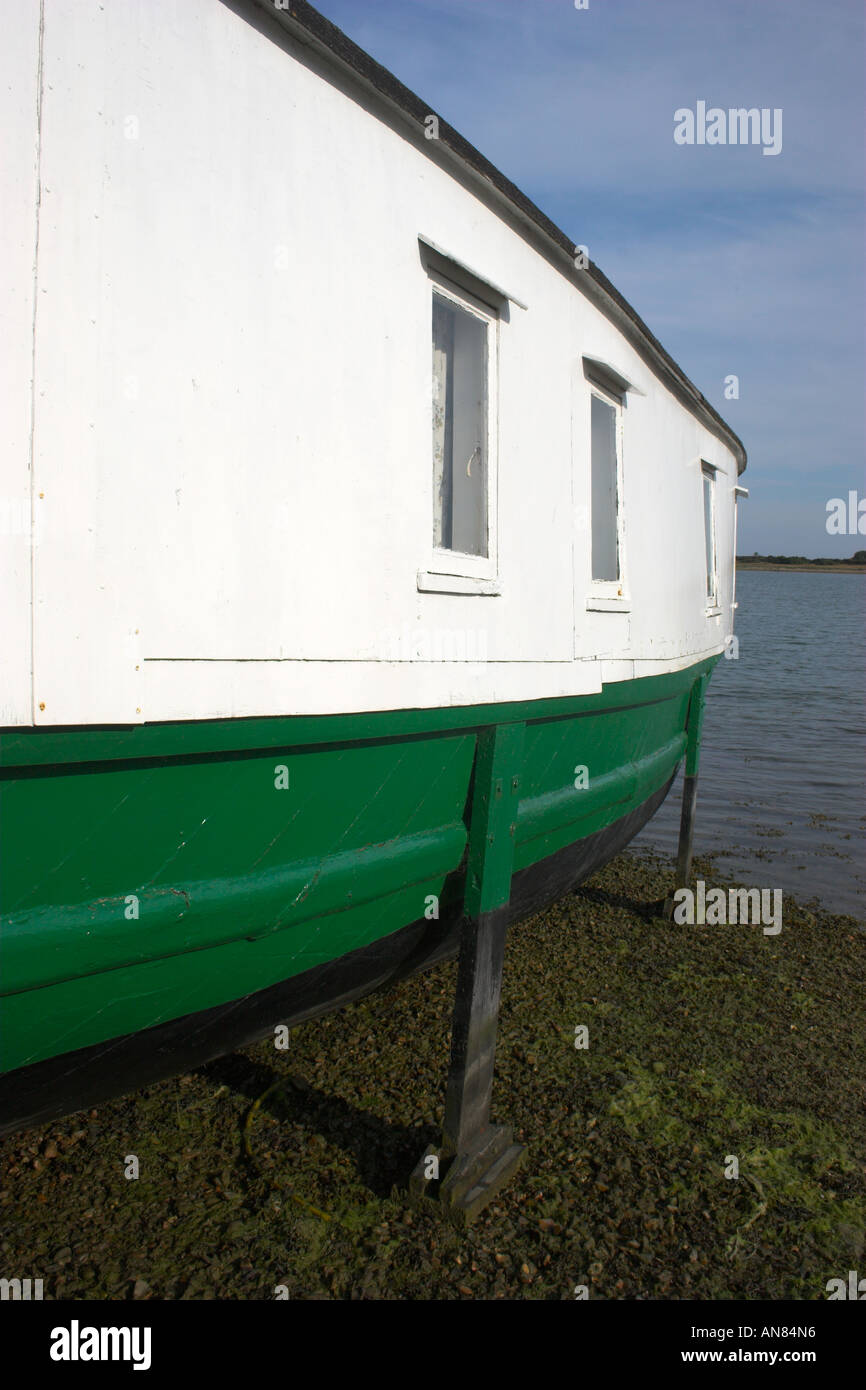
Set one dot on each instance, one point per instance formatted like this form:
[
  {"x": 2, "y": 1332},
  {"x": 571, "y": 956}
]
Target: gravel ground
[{"x": 272, "y": 1174}]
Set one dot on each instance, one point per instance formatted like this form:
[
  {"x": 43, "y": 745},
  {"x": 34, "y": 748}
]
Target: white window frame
[
  {"x": 453, "y": 571},
  {"x": 738, "y": 493},
  {"x": 711, "y": 601},
  {"x": 610, "y": 595}
]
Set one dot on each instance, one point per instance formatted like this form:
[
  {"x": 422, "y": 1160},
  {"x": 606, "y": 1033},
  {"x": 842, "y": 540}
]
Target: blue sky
[{"x": 739, "y": 262}]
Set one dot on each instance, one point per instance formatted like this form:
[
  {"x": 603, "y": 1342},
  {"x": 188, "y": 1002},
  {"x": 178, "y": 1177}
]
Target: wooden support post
[
  {"x": 475, "y": 1157},
  {"x": 694, "y": 724}
]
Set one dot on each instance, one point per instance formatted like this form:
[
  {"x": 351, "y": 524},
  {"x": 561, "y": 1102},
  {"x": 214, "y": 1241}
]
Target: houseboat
[{"x": 365, "y": 555}]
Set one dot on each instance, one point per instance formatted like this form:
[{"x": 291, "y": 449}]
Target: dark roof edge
[{"x": 306, "y": 24}]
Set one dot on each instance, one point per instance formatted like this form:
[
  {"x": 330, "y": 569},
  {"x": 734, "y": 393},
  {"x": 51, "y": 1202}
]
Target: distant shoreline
[{"x": 840, "y": 567}]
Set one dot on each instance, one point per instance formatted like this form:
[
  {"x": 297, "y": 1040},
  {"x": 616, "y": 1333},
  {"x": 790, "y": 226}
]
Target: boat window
[
  {"x": 708, "y": 475},
  {"x": 460, "y": 428},
  {"x": 605, "y": 489}
]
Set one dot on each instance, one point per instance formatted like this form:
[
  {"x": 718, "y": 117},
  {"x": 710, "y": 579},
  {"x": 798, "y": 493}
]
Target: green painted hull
[{"x": 154, "y": 872}]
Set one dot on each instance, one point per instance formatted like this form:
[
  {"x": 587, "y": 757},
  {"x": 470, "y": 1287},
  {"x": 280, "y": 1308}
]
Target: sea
[{"x": 782, "y": 778}]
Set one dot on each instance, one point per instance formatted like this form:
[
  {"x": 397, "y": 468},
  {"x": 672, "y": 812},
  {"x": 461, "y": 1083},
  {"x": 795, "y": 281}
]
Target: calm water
[{"x": 783, "y": 762}]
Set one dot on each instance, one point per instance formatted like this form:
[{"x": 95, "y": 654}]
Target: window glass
[
  {"x": 605, "y": 544},
  {"x": 709, "y": 536},
  {"x": 459, "y": 429}
]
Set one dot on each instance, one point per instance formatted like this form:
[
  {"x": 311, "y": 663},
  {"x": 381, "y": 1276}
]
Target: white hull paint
[{"x": 222, "y": 414}]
